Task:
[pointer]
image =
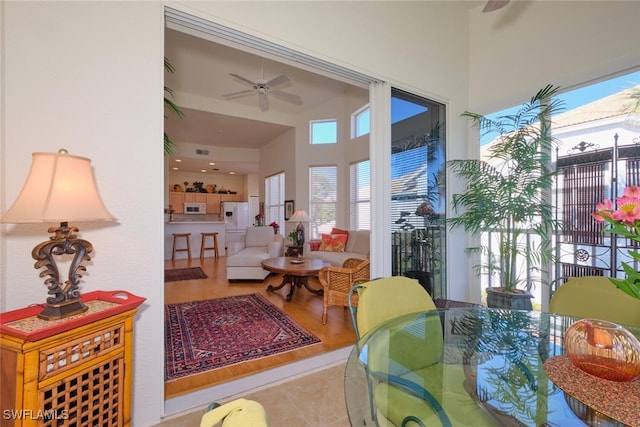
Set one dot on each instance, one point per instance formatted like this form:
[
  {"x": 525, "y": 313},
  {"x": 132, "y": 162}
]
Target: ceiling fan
[
  {"x": 263, "y": 88},
  {"x": 492, "y": 5}
]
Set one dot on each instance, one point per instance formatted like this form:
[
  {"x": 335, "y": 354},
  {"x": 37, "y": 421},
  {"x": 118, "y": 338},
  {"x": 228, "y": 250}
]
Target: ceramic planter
[{"x": 514, "y": 300}]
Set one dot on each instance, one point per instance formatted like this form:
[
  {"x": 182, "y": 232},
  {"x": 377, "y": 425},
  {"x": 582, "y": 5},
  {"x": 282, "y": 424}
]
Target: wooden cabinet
[
  {"x": 213, "y": 203},
  {"x": 195, "y": 197},
  {"x": 69, "y": 372},
  {"x": 176, "y": 200},
  {"x": 230, "y": 198},
  {"x": 212, "y": 200}
]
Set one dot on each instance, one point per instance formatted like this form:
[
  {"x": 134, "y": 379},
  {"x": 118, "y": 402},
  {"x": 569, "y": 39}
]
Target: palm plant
[
  {"x": 509, "y": 192},
  {"x": 170, "y": 106}
]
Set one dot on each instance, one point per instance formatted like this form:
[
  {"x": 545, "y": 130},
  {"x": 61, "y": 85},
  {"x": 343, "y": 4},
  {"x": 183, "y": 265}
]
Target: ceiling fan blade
[
  {"x": 262, "y": 101},
  {"x": 492, "y": 5},
  {"x": 240, "y": 93},
  {"x": 295, "y": 99},
  {"x": 277, "y": 81},
  {"x": 243, "y": 79}
]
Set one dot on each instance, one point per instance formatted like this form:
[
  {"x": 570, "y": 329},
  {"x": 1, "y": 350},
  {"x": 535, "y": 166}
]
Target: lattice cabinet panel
[
  {"x": 92, "y": 397},
  {"x": 76, "y": 377},
  {"x": 60, "y": 358}
]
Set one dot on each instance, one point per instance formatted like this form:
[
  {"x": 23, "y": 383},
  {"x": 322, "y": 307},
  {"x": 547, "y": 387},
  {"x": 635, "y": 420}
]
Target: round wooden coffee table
[{"x": 295, "y": 271}]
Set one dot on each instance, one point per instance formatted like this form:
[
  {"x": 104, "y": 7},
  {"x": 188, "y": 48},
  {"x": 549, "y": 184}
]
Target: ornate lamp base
[
  {"x": 65, "y": 297},
  {"x": 61, "y": 310}
]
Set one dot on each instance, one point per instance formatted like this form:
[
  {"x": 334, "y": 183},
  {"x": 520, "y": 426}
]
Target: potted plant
[
  {"x": 169, "y": 105},
  {"x": 508, "y": 194},
  {"x": 293, "y": 236}
]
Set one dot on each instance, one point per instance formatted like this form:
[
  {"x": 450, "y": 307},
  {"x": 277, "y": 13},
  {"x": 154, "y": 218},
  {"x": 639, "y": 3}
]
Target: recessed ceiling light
[
  {"x": 178, "y": 160},
  {"x": 175, "y": 168},
  {"x": 232, "y": 173},
  {"x": 203, "y": 170},
  {"x": 211, "y": 164}
]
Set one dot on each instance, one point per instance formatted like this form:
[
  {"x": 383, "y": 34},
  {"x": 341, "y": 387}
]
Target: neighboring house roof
[{"x": 619, "y": 104}]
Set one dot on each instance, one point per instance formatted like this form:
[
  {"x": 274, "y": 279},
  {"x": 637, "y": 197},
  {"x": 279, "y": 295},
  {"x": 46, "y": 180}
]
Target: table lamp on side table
[
  {"x": 60, "y": 188},
  {"x": 300, "y": 217}
]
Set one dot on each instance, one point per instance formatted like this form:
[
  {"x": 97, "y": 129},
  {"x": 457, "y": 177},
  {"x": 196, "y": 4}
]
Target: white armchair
[{"x": 244, "y": 257}]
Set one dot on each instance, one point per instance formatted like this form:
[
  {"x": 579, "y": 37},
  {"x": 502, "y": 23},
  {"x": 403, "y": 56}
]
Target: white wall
[
  {"x": 515, "y": 52},
  {"x": 88, "y": 75}
]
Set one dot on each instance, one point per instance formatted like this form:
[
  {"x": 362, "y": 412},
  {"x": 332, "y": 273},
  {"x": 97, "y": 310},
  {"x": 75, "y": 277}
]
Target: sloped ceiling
[{"x": 202, "y": 77}]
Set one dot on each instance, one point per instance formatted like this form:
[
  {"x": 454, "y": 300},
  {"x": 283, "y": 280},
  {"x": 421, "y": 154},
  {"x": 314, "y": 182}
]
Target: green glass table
[{"x": 478, "y": 366}]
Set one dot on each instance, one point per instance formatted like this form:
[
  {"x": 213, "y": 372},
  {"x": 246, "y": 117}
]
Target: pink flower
[
  {"x": 628, "y": 209},
  {"x": 632, "y": 191},
  {"x": 603, "y": 210}
]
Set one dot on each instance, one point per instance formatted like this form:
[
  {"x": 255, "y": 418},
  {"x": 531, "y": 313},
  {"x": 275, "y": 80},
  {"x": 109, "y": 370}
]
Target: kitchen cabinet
[
  {"x": 230, "y": 198},
  {"x": 176, "y": 200},
  {"x": 213, "y": 200},
  {"x": 195, "y": 197},
  {"x": 213, "y": 203}
]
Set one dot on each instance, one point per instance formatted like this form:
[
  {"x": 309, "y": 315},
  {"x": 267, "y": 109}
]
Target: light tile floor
[{"x": 312, "y": 400}]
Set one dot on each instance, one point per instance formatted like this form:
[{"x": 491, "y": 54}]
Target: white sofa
[
  {"x": 357, "y": 246},
  {"x": 244, "y": 257}
]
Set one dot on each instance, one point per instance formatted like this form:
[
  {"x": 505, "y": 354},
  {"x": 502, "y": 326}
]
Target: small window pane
[
  {"x": 360, "y": 196},
  {"x": 361, "y": 122},
  {"x": 274, "y": 200},
  {"x": 324, "y": 132},
  {"x": 323, "y": 183}
]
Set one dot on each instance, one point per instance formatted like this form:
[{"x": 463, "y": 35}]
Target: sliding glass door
[{"x": 418, "y": 190}]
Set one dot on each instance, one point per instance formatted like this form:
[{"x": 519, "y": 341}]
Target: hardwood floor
[{"x": 305, "y": 308}]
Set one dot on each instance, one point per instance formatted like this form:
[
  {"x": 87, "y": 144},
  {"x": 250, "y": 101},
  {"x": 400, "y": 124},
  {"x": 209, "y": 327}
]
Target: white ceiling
[{"x": 202, "y": 77}]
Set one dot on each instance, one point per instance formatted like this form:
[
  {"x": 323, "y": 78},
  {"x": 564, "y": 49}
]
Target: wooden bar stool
[
  {"x": 203, "y": 246},
  {"x": 187, "y": 237}
]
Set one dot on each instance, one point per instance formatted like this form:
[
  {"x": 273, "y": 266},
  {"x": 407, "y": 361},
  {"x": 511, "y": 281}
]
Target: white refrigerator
[{"x": 236, "y": 216}]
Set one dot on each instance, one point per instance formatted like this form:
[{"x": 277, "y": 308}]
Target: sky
[
  {"x": 579, "y": 97},
  {"x": 401, "y": 109}
]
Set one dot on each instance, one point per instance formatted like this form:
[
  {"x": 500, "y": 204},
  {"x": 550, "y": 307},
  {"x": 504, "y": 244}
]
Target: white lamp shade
[
  {"x": 60, "y": 187},
  {"x": 299, "y": 216}
]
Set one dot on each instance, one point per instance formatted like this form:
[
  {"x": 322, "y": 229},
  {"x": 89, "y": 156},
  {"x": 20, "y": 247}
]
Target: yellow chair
[
  {"x": 403, "y": 396},
  {"x": 384, "y": 299},
  {"x": 337, "y": 281},
  {"x": 237, "y": 413},
  {"x": 595, "y": 297}
]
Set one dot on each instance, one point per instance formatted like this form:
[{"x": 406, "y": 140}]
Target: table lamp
[
  {"x": 60, "y": 188},
  {"x": 300, "y": 217}
]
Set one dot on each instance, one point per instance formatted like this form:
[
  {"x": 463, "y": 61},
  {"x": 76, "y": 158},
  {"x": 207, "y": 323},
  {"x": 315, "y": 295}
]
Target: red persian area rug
[
  {"x": 191, "y": 273},
  {"x": 205, "y": 335}
]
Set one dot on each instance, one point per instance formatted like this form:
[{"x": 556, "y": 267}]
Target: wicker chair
[{"x": 337, "y": 281}]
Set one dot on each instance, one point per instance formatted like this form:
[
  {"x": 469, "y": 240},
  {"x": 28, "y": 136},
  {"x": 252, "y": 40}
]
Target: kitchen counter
[
  {"x": 195, "y": 221},
  {"x": 194, "y": 227}
]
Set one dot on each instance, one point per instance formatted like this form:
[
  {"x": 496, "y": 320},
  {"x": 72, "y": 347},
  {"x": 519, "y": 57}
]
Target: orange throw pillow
[
  {"x": 315, "y": 245},
  {"x": 338, "y": 231},
  {"x": 335, "y": 243}
]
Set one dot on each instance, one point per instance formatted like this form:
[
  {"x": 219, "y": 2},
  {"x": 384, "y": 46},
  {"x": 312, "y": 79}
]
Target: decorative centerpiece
[
  {"x": 170, "y": 211},
  {"x": 603, "y": 349},
  {"x": 275, "y": 226},
  {"x": 259, "y": 219}
]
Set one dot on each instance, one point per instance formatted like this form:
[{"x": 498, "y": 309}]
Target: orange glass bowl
[{"x": 603, "y": 349}]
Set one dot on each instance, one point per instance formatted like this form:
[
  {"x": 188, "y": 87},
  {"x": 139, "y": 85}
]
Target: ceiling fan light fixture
[{"x": 263, "y": 88}]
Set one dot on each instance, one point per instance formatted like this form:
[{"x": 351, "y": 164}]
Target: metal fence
[{"x": 421, "y": 251}]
